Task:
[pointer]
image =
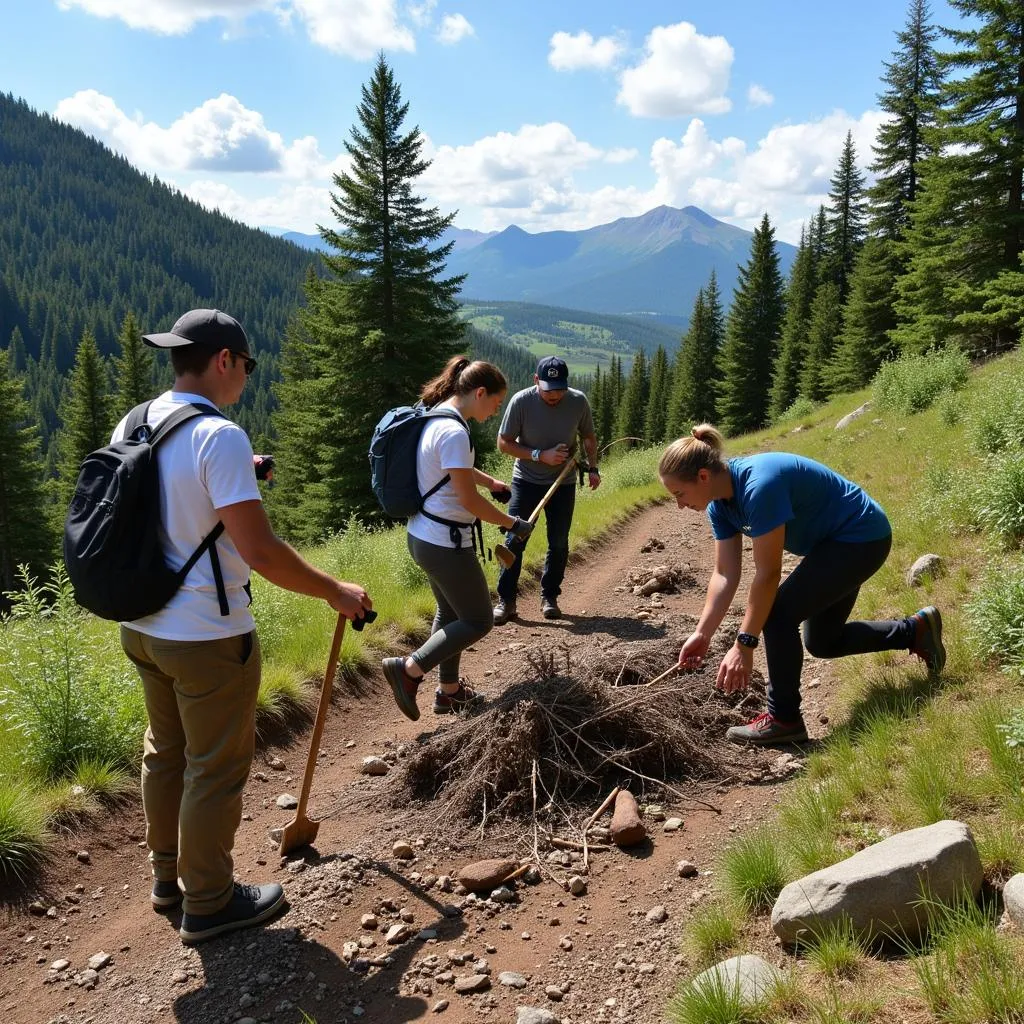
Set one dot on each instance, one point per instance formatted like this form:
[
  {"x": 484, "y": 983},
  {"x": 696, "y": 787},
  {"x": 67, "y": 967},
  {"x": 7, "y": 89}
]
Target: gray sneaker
[
  {"x": 766, "y": 730},
  {"x": 249, "y": 905},
  {"x": 503, "y": 611},
  {"x": 165, "y": 894},
  {"x": 928, "y": 638}
]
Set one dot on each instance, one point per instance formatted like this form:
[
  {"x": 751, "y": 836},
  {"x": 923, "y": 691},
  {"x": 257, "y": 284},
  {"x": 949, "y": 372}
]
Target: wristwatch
[
  {"x": 535, "y": 455},
  {"x": 746, "y": 640}
]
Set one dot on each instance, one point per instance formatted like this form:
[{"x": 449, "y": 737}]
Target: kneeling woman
[
  {"x": 441, "y": 536},
  {"x": 787, "y": 503}
]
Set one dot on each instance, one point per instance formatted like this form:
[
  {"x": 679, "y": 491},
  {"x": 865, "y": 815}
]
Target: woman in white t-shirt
[{"x": 441, "y": 535}]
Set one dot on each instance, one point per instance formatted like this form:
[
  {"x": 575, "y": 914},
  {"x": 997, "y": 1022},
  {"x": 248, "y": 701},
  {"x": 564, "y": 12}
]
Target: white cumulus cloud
[
  {"x": 353, "y": 28},
  {"x": 759, "y": 96},
  {"x": 454, "y": 28},
  {"x": 682, "y": 73},
  {"x": 573, "y": 52}
]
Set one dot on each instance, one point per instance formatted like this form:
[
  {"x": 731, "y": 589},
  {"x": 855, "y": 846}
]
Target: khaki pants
[{"x": 201, "y": 700}]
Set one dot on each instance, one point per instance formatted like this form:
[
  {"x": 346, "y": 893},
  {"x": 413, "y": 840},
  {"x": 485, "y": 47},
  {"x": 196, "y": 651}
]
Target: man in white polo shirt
[{"x": 199, "y": 656}]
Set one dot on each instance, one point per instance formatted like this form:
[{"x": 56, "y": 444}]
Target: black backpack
[{"x": 111, "y": 535}]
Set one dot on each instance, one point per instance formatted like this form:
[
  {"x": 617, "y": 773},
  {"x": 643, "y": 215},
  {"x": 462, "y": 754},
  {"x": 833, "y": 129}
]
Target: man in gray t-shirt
[{"x": 541, "y": 428}]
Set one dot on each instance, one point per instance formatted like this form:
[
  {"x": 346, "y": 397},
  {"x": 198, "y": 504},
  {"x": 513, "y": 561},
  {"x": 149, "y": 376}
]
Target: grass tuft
[
  {"x": 836, "y": 949},
  {"x": 715, "y": 1000},
  {"x": 711, "y": 935},
  {"x": 23, "y": 831},
  {"x": 752, "y": 871}
]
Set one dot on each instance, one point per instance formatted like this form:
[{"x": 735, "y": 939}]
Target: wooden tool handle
[
  {"x": 570, "y": 464},
  {"x": 321, "y": 716},
  {"x": 664, "y": 675}
]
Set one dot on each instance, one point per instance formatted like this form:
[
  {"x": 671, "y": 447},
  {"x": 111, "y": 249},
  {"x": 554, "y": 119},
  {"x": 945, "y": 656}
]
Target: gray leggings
[{"x": 463, "y": 598}]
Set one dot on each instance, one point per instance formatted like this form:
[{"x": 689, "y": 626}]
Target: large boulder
[
  {"x": 750, "y": 977},
  {"x": 1013, "y": 901},
  {"x": 879, "y": 889}
]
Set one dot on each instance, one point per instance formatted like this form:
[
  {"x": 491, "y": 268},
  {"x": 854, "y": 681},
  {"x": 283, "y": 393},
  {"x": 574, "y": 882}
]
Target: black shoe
[
  {"x": 165, "y": 895},
  {"x": 549, "y": 608},
  {"x": 249, "y": 905},
  {"x": 403, "y": 686},
  {"x": 503, "y": 611},
  {"x": 465, "y": 698}
]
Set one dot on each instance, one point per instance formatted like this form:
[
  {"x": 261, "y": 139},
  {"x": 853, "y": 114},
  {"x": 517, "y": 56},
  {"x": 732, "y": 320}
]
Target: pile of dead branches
[{"x": 586, "y": 727}]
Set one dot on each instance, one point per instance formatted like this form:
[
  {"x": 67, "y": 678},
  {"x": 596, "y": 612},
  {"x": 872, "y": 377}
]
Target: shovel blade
[{"x": 298, "y": 832}]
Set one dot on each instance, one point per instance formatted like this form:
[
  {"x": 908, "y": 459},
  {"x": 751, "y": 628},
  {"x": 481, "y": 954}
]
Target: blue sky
[{"x": 547, "y": 115}]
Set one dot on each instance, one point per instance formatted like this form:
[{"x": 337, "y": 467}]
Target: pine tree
[
  {"x": 751, "y": 336},
  {"x": 826, "y": 322},
  {"x": 907, "y": 137},
  {"x": 795, "y": 328},
  {"x": 16, "y": 348},
  {"x": 656, "y": 420},
  {"x": 596, "y": 397},
  {"x": 633, "y": 405},
  {"x": 133, "y": 369},
  {"x": 868, "y": 318},
  {"x": 848, "y": 212},
  {"x": 386, "y": 321},
  {"x": 817, "y": 243},
  {"x": 967, "y": 226},
  {"x": 24, "y": 534},
  {"x": 696, "y": 378},
  {"x": 85, "y": 416},
  {"x": 604, "y": 421}
]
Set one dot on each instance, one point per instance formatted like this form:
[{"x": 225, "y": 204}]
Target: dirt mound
[{"x": 562, "y": 735}]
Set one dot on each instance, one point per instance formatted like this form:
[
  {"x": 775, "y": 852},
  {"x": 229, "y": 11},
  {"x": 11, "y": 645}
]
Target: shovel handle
[
  {"x": 321, "y": 717},
  {"x": 570, "y": 464}
]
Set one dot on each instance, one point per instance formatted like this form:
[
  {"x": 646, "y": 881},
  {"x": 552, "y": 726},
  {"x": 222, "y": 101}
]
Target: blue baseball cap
[{"x": 552, "y": 374}]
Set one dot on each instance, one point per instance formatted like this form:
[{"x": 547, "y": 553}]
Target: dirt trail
[{"x": 599, "y": 957}]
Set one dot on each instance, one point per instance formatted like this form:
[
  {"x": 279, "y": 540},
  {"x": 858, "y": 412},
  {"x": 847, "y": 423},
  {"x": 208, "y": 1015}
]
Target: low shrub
[
  {"x": 996, "y": 617},
  {"x": 752, "y": 871},
  {"x": 23, "y": 832},
  {"x": 912, "y": 383},
  {"x": 799, "y": 410},
  {"x": 999, "y": 499},
  {"x": 997, "y": 415},
  {"x": 711, "y": 935}
]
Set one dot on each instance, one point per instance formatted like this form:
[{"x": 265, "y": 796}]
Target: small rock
[
  {"x": 672, "y": 825},
  {"x": 37, "y": 908},
  {"x": 276, "y": 835},
  {"x": 553, "y": 992},
  {"x": 87, "y": 979},
  {"x": 375, "y": 766},
  {"x": 179, "y": 977},
  {"x": 425, "y": 934},
  {"x": 927, "y": 567},
  {"x": 440, "y": 1006},
  {"x": 686, "y": 870},
  {"x": 566, "y": 943},
  {"x": 511, "y": 979},
  {"x": 402, "y": 850},
  {"x": 485, "y": 875},
  {"x": 534, "y": 1015},
  {"x": 276, "y": 763},
  {"x": 287, "y": 801},
  {"x": 99, "y": 960},
  {"x": 368, "y": 921},
  {"x": 60, "y": 965},
  {"x": 83, "y": 856},
  {"x": 657, "y": 914},
  {"x": 577, "y": 886},
  {"x": 472, "y": 983},
  {"x": 503, "y": 895},
  {"x": 397, "y": 933}
]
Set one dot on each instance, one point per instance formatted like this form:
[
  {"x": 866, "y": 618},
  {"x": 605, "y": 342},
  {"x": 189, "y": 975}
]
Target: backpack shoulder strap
[
  {"x": 137, "y": 420},
  {"x": 182, "y": 415},
  {"x": 447, "y": 414}
]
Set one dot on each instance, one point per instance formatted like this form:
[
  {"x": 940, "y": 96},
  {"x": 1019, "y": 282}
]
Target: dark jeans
[
  {"x": 820, "y": 594},
  {"x": 558, "y": 518},
  {"x": 463, "y": 613}
]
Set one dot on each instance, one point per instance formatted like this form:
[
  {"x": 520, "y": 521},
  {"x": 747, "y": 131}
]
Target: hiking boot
[
  {"x": 465, "y": 698},
  {"x": 928, "y": 638},
  {"x": 249, "y": 905},
  {"x": 403, "y": 686},
  {"x": 549, "y": 608},
  {"x": 165, "y": 894},
  {"x": 766, "y": 729},
  {"x": 503, "y": 611}
]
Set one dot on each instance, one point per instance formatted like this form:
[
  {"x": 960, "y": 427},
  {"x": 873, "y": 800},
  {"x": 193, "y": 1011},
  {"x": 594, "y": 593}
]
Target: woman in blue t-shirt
[{"x": 787, "y": 503}]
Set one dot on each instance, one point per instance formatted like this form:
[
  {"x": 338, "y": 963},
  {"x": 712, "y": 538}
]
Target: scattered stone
[
  {"x": 440, "y": 1006},
  {"x": 368, "y": 921},
  {"x": 626, "y": 829},
  {"x": 287, "y": 801},
  {"x": 511, "y": 979},
  {"x": 672, "y": 825},
  {"x": 879, "y": 888},
  {"x": 534, "y": 1015},
  {"x": 402, "y": 850},
  {"x": 179, "y": 977},
  {"x": 472, "y": 983},
  {"x": 276, "y": 835},
  {"x": 652, "y": 544},
  {"x": 851, "y": 416},
  {"x": 566, "y": 943},
  {"x": 276, "y": 763},
  {"x": 424, "y": 934},
  {"x": 553, "y": 992},
  {"x": 397, "y": 933},
  {"x": 83, "y": 856},
  {"x": 60, "y": 965},
  {"x": 654, "y": 812},
  {"x": 577, "y": 886},
  {"x": 927, "y": 567},
  {"x": 686, "y": 870},
  {"x": 485, "y": 875},
  {"x": 37, "y": 908},
  {"x": 99, "y": 960},
  {"x": 375, "y": 766},
  {"x": 749, "y": 976},
  {"x": 1013, "y": 901},
  {"x": 657, "y": 914},
  {"x": 503, "y": 895},
  {"x": 87, "y": 979}
]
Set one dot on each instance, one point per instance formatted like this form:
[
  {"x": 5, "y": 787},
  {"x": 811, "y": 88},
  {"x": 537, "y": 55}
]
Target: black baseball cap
[
  {"x": 207, "y": 327},
  {"x": 552, "y": 374}
]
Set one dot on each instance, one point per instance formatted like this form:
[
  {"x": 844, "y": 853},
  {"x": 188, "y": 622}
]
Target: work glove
[
  {"x": 521, "y": 530},
  {"x": 369, "y": 616},
  {"x": 502, "y": 496}
]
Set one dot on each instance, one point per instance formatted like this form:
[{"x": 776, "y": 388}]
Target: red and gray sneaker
[
  {"x": 465, "y": 698},
  {"x": 927, "y": 643},
  {"x": 403, "y": 686},
  {"x": 766, "y": 729}
]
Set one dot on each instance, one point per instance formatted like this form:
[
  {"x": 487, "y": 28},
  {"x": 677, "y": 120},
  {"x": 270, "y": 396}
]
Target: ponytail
[
  {"x": 685, "y": 458},
  {"x": 460, "y": 376}
]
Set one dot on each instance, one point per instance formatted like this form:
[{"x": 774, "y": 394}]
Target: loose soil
[{"x": 608, "y": 959}]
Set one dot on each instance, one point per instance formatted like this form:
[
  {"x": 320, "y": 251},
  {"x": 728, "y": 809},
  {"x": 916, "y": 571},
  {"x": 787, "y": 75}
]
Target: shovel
[
  {"x": 300, "y": 831},
  {"x": 502, "y": 553}
]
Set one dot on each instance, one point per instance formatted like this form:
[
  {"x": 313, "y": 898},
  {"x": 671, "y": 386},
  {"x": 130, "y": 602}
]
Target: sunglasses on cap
[{"x": 250, "y": 362}]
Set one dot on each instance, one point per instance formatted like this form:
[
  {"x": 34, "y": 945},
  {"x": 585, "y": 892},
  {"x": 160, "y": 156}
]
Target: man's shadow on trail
[
  {"x": 622, "y": 627},
  {"x": 283, "y": 951}
]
